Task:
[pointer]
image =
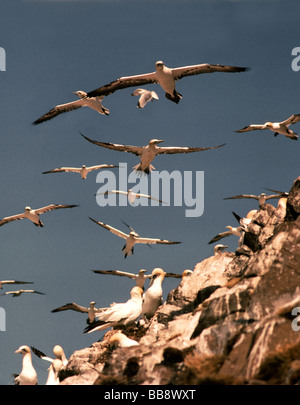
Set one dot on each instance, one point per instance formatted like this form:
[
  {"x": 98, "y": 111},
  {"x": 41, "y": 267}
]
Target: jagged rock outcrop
[{"x": 230, "y": 322}]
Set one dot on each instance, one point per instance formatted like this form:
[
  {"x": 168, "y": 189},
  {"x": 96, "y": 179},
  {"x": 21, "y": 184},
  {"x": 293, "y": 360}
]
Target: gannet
[
  {"x": 19, "y": 292},
  {"x": 262, "y": 198},
  {"x": 53, "y": 372},
  {"x": 119, "y": 314},
  {"x": 28, "y": 375},
  {"x": 58, "y": 352},
  {"x": 91, "y": 311},
  {"x": 132, "y": 196},
  {"x": 132, "y": 238},
  {"x": 219, "y": 249},
  {"x": 185, "y": 273},
  {"x": 152, "y": 297},
  {"x": 84, "y": 101},
  {"x": 145, "y": 96},
  {"x": 244, "y": 222},
  {"x": 83, "y": 170},
  {"x": 165, "y": 77},
  {"x": 232, "y": 231},
  {"x": 34, "y": 215},
  {"x": 14, "y": 282},
  {"x": 147, "y": 153},
  {"x": 277, "y": 127},
  {"x": 120, "y": 340}
]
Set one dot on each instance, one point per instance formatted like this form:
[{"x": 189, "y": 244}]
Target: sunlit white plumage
[
  {"x": 147, "y": 153},
  {"x": 119, "y": 314},
  {"x": 28, "y": 375},
  {"x": 132, "y": 238},
  {"x": 53, "y": 372},
  {"x": 17, "y": 293},
  {"x": 2, "y": 282},
  {"x": 231, "y": 231},
  {"x": 118, "y": 339},
  {"x": 83, "y": 170},
  {"x": 144, "y": 96},
  {"x": 219, "y": 248},
  {"x": 84, "y": 101},
  {"x": 164, "y": 76},
  {"x": 152, "y": 297},
  {"x": 34, "y": 214},
  {"x": 276, "y": 127}
]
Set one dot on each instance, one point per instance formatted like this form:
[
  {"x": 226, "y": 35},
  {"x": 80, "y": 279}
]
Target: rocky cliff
[{"x": 232, "y": 321}]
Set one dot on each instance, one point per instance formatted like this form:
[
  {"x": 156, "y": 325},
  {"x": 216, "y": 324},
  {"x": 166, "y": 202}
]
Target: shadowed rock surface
[{"x": 229, "y": 322}]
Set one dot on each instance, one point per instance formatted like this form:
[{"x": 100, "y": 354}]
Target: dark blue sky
[{"x": 54, "y": 48}]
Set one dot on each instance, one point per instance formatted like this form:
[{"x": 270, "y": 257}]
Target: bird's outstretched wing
[
  {"x": 12, "y": 218},
  {"x": 184, "y": 149},
  {"x": 251, "y": 127},
  {"x": 180, "y": 72},
  {"x": 59, "y": 109},
  {"x": 291, "y": 120},
  {"x": 53, "y": 207},
  {"x": 111, "y": 229},
  {"x": 71, "y": 305},
  {"x": 136, "y": 150},
  {"x": 154, "y": 241}
]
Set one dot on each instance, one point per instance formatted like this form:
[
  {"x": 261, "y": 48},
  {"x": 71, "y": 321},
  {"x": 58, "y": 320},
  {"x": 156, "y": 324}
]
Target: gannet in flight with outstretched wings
[
  {"x": 231, "y": 231},
  {"x": 17, "y": 293},
  {"x": 132, "y": 196},
  {"x": 147, "y": 153},
  {"x": 34, "y": 214},
  {"x": 132, "y": 238},
  {"x": 14, "y": 282},
  {"x": 277, "y": 127},
  {"x": 83, "y": 170},
  {"x": 119, "y": 314},
  {"x": 145, "y": 96},
  {"x": 91, "y": 310},
  {"x": 165, "y": 77},
  {"x": 84, "y": 101},
  {"x": 262, "y": 198}
]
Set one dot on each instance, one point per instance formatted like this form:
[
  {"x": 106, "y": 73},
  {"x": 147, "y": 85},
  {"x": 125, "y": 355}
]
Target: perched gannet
[
  {"x": 83, "y": 170},
  {"x": 147, "y": 153},
  {"x": 91, "y": 311},
  {"x": 165, "y": 77},
  {"x": 119, "y": 314},
  {"x": 277, "y": 127},
  {"x": 219, "y": 249},
  {"x": 120, "y": 340},
  {"x": 34, "y": 215},
  {"x": 232, "y": 231},
  {"x": 152, "y": 297},
  {"x": 14, "y": 282},
  {"x": 244, "y": 222},
  {"x": 145, "y": 96},
  {"x": 132, "y": 238},
  {"x": 262, "y": 198},
  {"x": 84, "y": 101},
  {"x": 54, "y": 369},
  {"x": 28, "y": 375},
  {"x": 132, "y": 196},
  {"x": 185, "y": 273},
  {"x": 19, "y": 292},
  {"x": 58, "y": 352}
]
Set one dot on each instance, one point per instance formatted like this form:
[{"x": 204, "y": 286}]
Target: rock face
[{"x": 232, "y": 321}]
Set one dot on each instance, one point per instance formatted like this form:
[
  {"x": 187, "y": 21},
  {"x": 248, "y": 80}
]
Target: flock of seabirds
[{"x": 142, "y": 304}]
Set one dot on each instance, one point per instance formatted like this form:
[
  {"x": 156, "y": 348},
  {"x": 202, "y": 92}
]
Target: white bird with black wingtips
[
  {"x": 83, "y": 170},
  {"x": 145, "y": 96}
]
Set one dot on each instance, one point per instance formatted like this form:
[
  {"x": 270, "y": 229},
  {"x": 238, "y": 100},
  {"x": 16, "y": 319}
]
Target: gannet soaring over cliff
[
  {"x": 91, "y": 311},
  {"x": 14, "y": 282},
  {"x": 34, "y": 215},
  {"x": 277, "y": 127},
  {"x": 152, "y": 297},
  {"x": 165, "y": 77},
  {"x": 147, "y": 153},
  {"x": 28, "y": 375},
  {"x": 132, "y": 196},
  {"x": 145, "y": 96},
  {"x": 84, "y": 101},
  {"x": 17, "y": 293},
  {"x": 231, "y": 231},
  {"x": 83, "y": 170},
  {"x": 262, "y": 198},
  {"x": 119, "y": 314},
  {"x": 132, "y": 238}
]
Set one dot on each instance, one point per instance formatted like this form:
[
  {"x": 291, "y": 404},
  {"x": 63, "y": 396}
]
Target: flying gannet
[
  {"x": 262, "y": 198},
  {"x": 145, "y": 96},
  {"x": 19, "y": 292},
  {"x": 147, "y": 153},
  {"x": 34, "y": 215},
  {"x": 53, "y": 372},
  {"x": 152, "y": 297},
  {"x": 28, "y": 375},
  {"x": 58, "y": 352},
  {"x": 83, "y": 170},
  {"x": 132, "y": 238},
  {"x": 165, "y": 77},
  {"x": 2, "y": 282},
  {"x": 132, "y": 196},
  {"x": 231, "y": 231},
  {"x": 118, "y": 339},
  {"x": 84, "y": 101},
  {"x": 91, "y": 310},
  {"x": 277, "y": 127},
  {"x": 119, "y": 314}
]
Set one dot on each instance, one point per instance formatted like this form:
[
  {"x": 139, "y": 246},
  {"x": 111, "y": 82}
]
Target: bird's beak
[
  {"x": 18, "y": 351},
  {"x": 159, "y": 141}
]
